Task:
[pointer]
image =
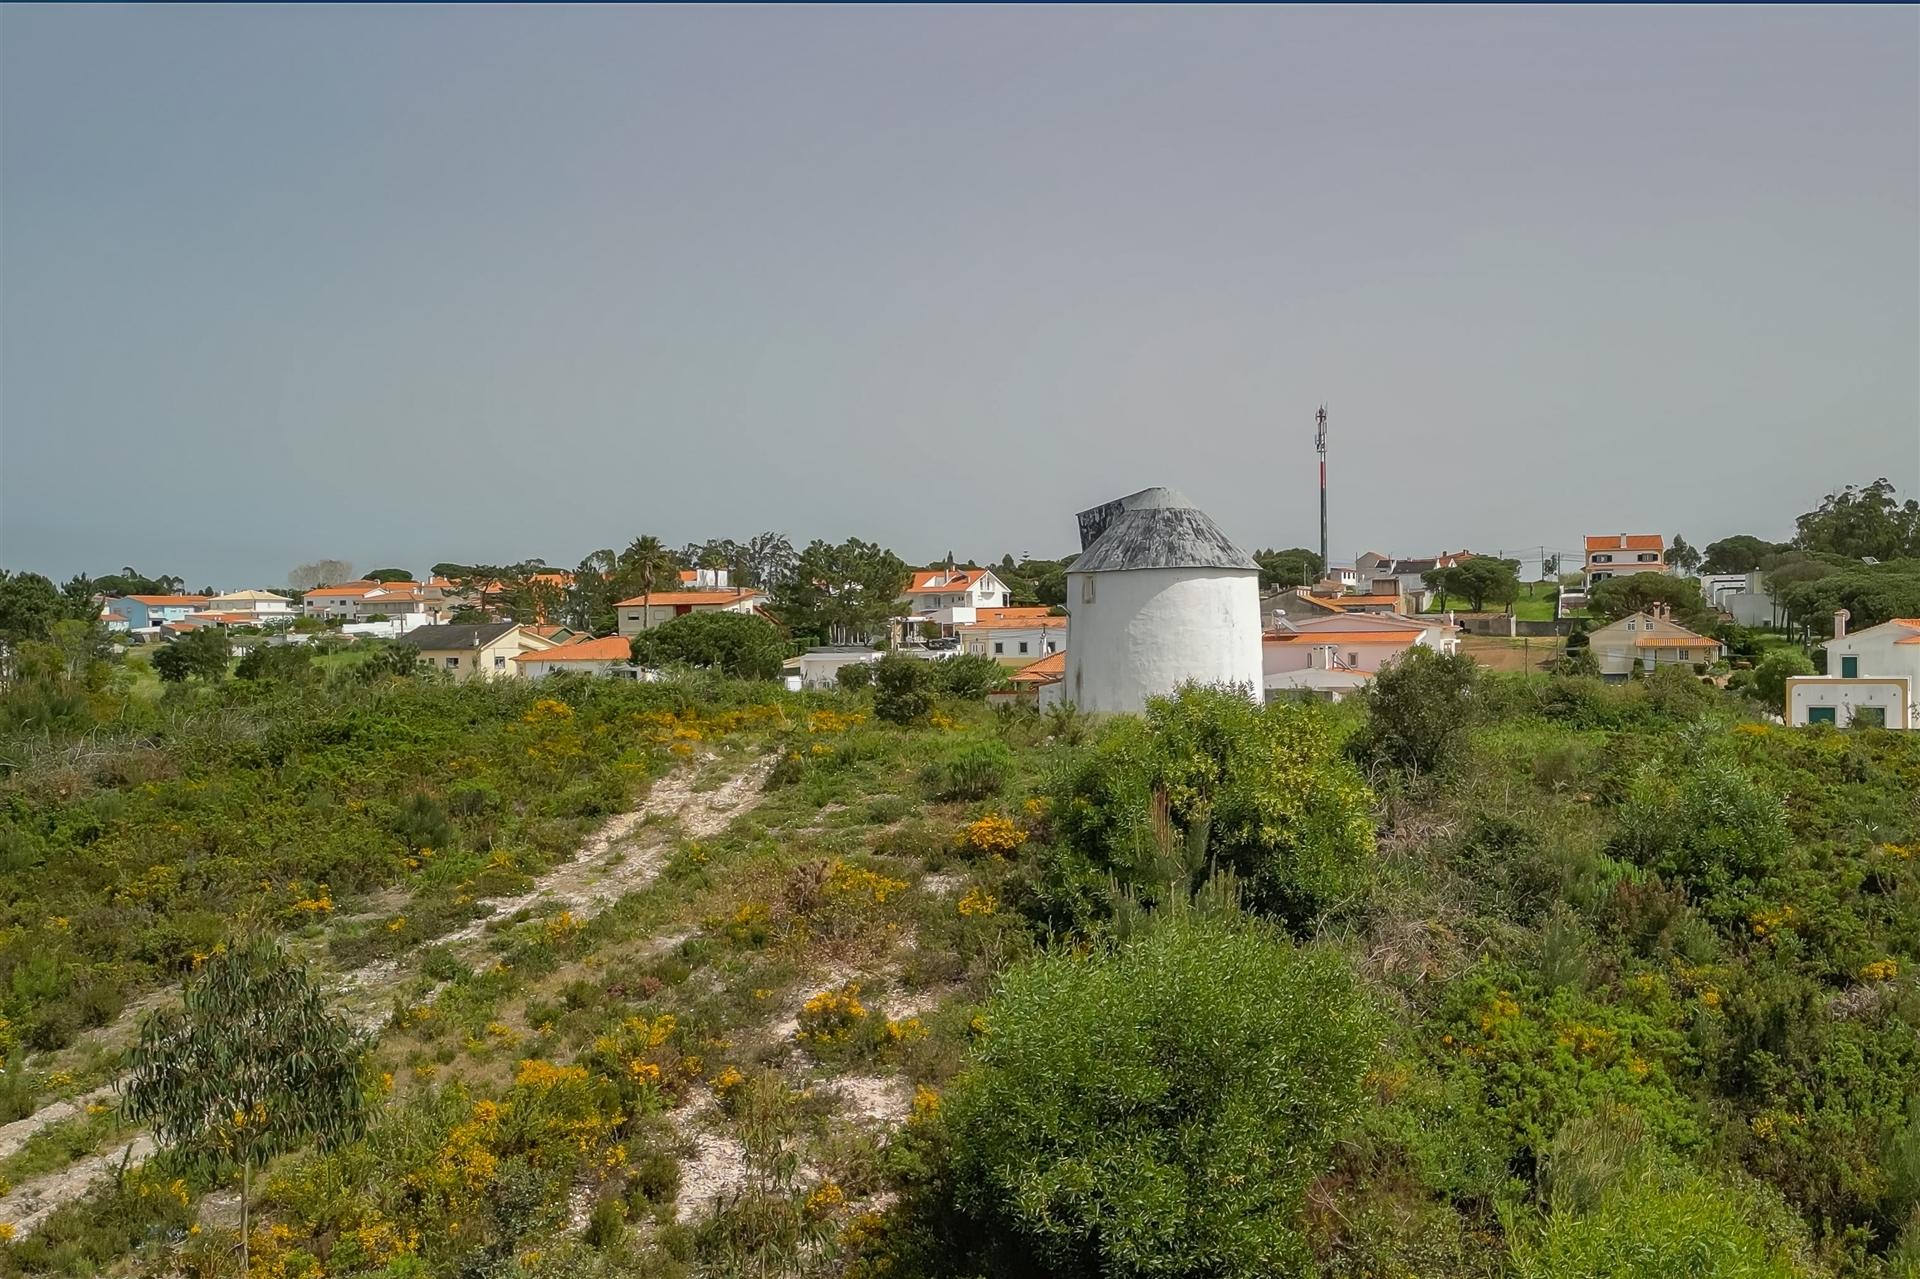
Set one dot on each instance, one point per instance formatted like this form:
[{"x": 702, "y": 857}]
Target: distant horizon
[{"x": 399, "y": 285}]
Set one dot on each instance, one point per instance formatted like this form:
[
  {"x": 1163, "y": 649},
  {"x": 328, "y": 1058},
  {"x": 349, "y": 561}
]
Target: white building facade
[{"x": 1868, "y": 702}]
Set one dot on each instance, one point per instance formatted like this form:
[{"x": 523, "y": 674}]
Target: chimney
[{"x": 1840, "y": 616}]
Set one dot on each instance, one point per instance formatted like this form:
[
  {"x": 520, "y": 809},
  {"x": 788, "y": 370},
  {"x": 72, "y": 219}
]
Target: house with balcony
[
  {"x": 367, "y": 601},
  {"x": 1620, "y": 554},
  {"x": 937, "y": 601}
]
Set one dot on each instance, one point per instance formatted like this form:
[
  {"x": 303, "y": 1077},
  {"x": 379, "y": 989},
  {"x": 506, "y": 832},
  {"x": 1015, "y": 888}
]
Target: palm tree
[{"x": 646, "y": 563}]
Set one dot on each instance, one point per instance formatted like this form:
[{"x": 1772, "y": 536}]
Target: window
[
  {"x": 1023, "y": 646},
  {"x": 452, "y": 662},
  {"x": 1648, "y": 557},
  {"x": 1850, "y": 666},
  {"x": 633, "y": 617},
  {"x": 1820, "y": 715},
  {"x": 1603, "y": 559},
  {"x": 998, "y": 648},
  {"x": 499, "y": 662},
  {"x": 1629, "y": 625}
]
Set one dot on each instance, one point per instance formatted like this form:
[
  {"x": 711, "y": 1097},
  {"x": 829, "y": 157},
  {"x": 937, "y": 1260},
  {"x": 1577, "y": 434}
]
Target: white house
[
  {"x": 1876, "y": 701},
  {"x": 1158, "y": 597},
  {"x": 1653, "y": 639},
  {"x": 933, "y": 589},
  {"x": 610, "y": 656},
  {"x": 1890, "y": 650},
  {"x": 820, "y": 667},
  {"x": 947, "y": 599},
  {"x": 644, "y": 612},
  {"x": 1747, "y": 603}
]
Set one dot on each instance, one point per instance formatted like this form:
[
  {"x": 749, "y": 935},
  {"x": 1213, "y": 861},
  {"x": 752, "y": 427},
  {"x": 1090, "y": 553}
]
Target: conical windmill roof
[{"x": 1154, "y": 528}]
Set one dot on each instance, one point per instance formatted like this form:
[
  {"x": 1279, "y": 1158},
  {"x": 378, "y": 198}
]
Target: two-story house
[
  {"x": 364, "y": 600},
  {"x": 945, "y": 599},
  {"x": 1620, "y": 554}
]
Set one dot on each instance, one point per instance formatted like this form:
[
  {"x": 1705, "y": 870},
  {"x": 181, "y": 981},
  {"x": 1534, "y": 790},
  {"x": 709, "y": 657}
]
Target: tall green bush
[
  {"x": 902, "y": 689},
  {"x": 1155, "y": 1109},
  {"x": 1215, "y": 782},
  {"x": 1419, "y": 711}
]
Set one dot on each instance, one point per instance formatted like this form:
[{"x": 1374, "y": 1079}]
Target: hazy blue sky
[{"x": 400, "y": 285}]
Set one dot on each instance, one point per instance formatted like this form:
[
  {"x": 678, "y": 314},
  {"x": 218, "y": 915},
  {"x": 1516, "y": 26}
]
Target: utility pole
[{"x": 1320, "y": 447}]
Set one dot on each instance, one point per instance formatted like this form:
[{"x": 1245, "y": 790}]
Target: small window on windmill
[{"x": 1086, "y": 589}]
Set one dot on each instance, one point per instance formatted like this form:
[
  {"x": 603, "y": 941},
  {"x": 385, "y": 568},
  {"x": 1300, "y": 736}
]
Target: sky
[{"x": 399, "y": 285}]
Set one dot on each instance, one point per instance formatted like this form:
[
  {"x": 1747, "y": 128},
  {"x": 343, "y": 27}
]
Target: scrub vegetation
[{"x": 1483, "y": 976}]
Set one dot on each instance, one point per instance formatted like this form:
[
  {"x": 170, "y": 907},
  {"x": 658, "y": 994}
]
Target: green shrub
[
  {"x": 974, "y": 768},
  {"x": 738, "y": 645},
  {"x": 968, "y": 675},
  {"x": 1770, "y": 675},
  {"x": 276, "y": 663},
  {"x": 1419, "y": 711},
  {"x": 1657, "y": 1223},
  {"x": 854, "y": 676},
  {"x": 422, "y": 821},
  {"x": 1155, "y": 1109},
  {"x": 1206, "y": 781},
  {"x": 902, "y": 689}
]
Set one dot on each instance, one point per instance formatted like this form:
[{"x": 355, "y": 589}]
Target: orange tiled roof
[
  {"x": 1688, "y": 640},
  {"x": 1627, "y": 542},
  {"x": 607, "y": 648},
  {"x": 113, "y": 617},
  {"x": 925, "y": 579},
  {"x": 730, "y": 595},
  {"x": 1022, "y": 617},
  {"x": 1047, "y": 670},
  {"x": 163, "y": 601},
  {"x": 1343, "y": 637},
  {"x": 345, "y": 590},
  {"x": 1356, "y": 601}
]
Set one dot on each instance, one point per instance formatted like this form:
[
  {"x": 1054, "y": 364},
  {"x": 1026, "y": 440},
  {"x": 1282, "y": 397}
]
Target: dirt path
[
  {"x": 606, "y": 869},
  {"x": 28, "y": 1205},
  {"x": 15, "y": 1136}
]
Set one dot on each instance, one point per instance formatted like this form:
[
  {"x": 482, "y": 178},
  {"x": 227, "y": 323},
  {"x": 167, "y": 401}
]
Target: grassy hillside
[{"x": 1494, "y": 976}]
